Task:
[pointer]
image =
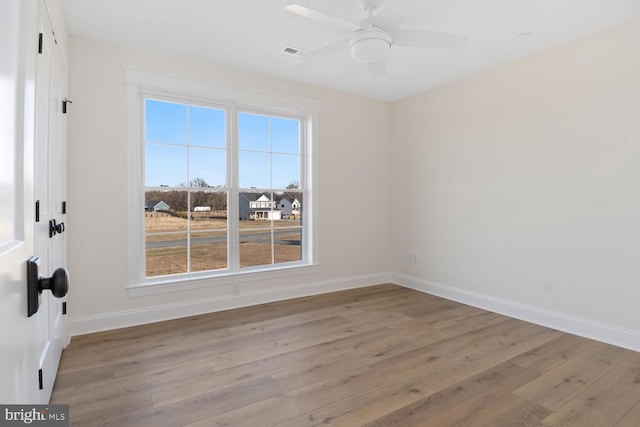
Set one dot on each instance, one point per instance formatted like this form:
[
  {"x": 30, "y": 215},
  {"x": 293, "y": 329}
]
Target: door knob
[{"x": 58, "y": 284}]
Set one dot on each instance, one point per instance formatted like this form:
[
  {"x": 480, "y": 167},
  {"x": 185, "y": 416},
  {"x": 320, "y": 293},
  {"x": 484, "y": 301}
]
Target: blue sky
[{"x": 269, "y": 146}]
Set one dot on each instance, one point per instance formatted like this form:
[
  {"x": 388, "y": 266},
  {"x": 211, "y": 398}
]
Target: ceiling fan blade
[
  {"x": 342, "y": 44},
  {"x": 322, "y": 18},
  {"x": 425, "y": 38},
  {"x": 378, "y": 69},
  {"x": 390, "y": 18}
]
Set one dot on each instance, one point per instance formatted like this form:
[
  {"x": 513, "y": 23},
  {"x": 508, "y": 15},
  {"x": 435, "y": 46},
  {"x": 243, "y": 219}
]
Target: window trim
[{"x": 141, "y": 81}]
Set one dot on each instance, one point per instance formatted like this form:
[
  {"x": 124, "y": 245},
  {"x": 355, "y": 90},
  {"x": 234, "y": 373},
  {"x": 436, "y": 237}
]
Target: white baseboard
[
  {"x": 587, "y": 328},
  {"x": 121, "y": 319}
]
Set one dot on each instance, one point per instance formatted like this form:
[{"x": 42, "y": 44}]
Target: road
[{"x": 258, "y": 236}]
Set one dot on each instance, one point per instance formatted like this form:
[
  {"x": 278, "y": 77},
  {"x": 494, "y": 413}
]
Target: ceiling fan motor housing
[{"x": 370, "y": 46}]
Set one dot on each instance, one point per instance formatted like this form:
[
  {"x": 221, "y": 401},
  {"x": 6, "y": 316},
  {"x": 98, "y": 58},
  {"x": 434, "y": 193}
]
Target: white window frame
[{"x": 140, "y": 82}]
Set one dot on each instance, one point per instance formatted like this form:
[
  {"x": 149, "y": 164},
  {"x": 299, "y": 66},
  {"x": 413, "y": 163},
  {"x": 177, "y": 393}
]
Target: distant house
[
  {"x": 257, "y": 206},
  {"x": 155, "y": 205},
  {"x": 262, "y": 202},
  {"x": 272, "y": 215},
  {"x": 202, "y": 209},
  {"x": 243, "y": 205},
  {"x": 296, "y": 207},
  {"x": 285, "y": 206},
  {"x": 289, "y": 207}
]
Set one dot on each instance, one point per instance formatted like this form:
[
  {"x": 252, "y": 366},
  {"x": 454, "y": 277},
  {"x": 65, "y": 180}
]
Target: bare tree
[
  {"x": 198, "y": 182},
  {"x": 291, "y": 195},
  {"x": 178, "y": 201}
]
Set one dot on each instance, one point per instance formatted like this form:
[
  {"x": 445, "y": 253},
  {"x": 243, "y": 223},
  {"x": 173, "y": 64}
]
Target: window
[{"x": 223, "y": 186}]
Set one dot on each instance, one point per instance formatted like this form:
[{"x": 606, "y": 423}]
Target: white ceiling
[{"x": 252, "y": 33}]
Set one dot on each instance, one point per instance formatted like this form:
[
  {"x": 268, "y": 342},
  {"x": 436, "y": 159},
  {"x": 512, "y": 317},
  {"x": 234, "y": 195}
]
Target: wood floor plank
[
  {"x": 99, "y": 412},
  {"x": 148, "y": 332},
  {"x": 244, "y": 339},
  {"x": 189, "y": 388},
  {"x": 445, "y": 313},
  {"x": 631, "y": 418},
  {"x": 375, "y": 403},
  {"x": 382, "y": 318},
  {"x": 272, "y": 411},
  {"x": 101, "y": 372},
  {"x": 189, "y": 350},
  {"x": 553, "y": 353},
  {"x": 419, "y": 354},
  {"x": 604, "y": 402},
  {"x": 310, "y": 373},
  {"x": 430, "y": 307},
  {"x": 261, "y": 326},
  {"x": 257, "y": 352},
  {"x": 452, "y": 404},
  {"x": 103, "y": 389},
  {"x": 298, "y": 358},
  {"x": 202, "y": 407},
  {"x": 557, "y": 386},
  {"x": 108, "y": 350},
  {"x": 398, "y": 346},
  {"x": 505, "y": 348},
  {"x": 380, "y": 355},
  {"x": 507, "y": 411},
  {"x": 151, "y": 362}
]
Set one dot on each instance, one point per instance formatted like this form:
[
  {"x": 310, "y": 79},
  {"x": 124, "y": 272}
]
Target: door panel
[{"x": 51, "y": 330}]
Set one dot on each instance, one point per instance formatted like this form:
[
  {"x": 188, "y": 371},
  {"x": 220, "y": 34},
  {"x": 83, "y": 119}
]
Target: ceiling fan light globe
[{"x": 370, "y": 46}]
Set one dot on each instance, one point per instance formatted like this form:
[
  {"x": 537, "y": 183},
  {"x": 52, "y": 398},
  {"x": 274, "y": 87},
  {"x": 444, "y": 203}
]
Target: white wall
[
  {"x": 353, "y": 155},
  {"x": 523, "y": 184}
]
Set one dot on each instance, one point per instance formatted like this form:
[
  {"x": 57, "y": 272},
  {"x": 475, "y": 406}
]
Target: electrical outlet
[{"x": 412, "y": 258}]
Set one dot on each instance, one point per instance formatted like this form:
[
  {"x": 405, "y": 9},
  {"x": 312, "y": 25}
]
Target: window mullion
[
  {"x": 142, "y": 232},
  {"x": 271, "y": 193},
  {"x": 233, "y": 234},
  {"x": 305, "y": 167},
  {"x": 188, "y": 192}
]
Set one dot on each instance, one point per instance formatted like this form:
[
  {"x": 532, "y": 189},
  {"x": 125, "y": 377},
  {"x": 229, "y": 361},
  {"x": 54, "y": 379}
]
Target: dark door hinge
[
  {"x": 64, "y": 308},
  {"x": 64, "y": 105},
  {"x": 40, "y": 42},
  {"x": 64, "y": 207},
  {"x": 37, "y": 210},
  {"x": 40, "y": 382}
]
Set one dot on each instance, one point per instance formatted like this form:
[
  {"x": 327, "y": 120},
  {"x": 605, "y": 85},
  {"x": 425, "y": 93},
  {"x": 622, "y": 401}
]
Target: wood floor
[{"x": 377, "y": 356}]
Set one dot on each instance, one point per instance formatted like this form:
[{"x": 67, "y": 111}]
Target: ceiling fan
[{"x": 372, "y": 38}]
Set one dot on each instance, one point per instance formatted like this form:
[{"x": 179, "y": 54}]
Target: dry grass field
[
  {"x": 212, "y": 255},
  {"x": 160, "y": 222}
]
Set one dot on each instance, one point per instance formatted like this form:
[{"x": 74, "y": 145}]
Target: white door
[
  {"x": 50, "y": 236},
  {"x": 32, "y": 153},
  {"x": 18, "y": 22}
]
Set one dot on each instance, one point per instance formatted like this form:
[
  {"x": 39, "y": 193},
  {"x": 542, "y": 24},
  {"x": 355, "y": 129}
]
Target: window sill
[{"x": 172, "y": 284}]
